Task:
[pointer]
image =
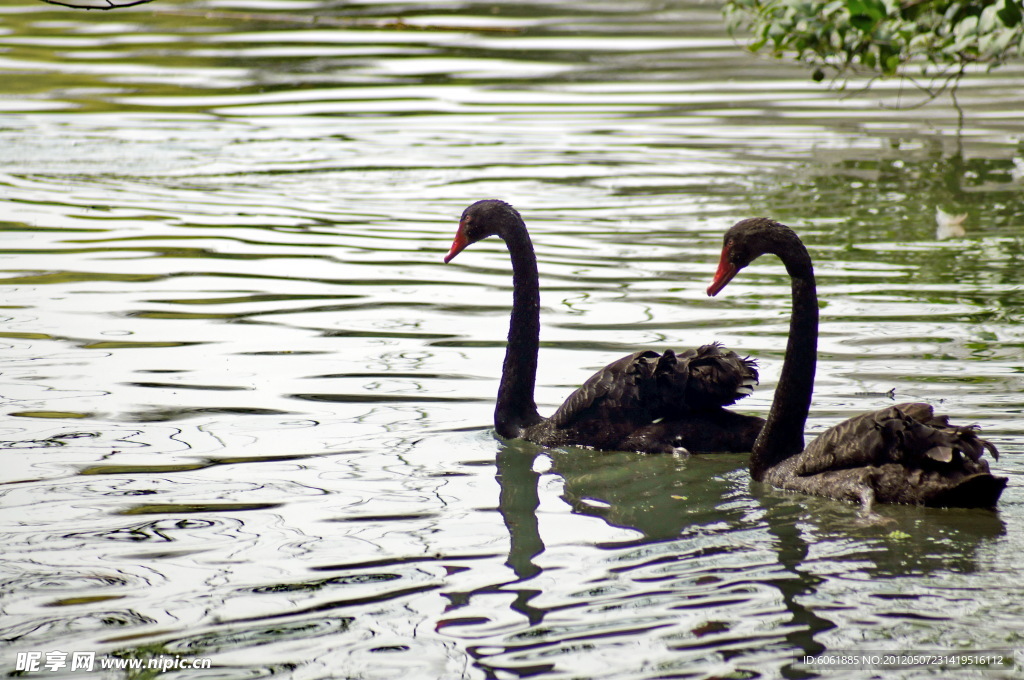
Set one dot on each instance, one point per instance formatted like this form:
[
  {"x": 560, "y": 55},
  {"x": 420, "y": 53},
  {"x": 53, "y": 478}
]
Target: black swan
[
  {"x": 900, "y": 454},
  {"x": 647, "y": 402}
]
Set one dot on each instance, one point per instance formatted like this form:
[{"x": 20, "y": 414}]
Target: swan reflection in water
[{"x": 712, "y": 546}]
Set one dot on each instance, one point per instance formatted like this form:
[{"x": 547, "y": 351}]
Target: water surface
[{"x": 247, "y": 408}]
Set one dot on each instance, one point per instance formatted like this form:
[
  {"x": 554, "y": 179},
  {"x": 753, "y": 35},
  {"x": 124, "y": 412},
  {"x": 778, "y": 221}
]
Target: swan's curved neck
[
  {"x": 515, "y": 409},
  {"x": 783, "y": 433}
]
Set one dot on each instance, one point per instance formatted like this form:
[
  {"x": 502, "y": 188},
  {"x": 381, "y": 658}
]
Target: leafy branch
[{"x": 931, "y": 43}]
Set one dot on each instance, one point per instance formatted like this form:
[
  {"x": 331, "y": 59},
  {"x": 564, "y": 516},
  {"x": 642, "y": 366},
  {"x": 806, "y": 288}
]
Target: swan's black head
[
  {"x": 746, "y": 241},
  {"x": 489, "y": 217}
]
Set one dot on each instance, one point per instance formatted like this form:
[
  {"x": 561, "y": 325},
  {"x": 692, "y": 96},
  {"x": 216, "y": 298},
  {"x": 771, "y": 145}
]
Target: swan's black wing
[
  {"x": 901, "y": 454},
  {"x": 717, "y": 377},
  {"x": 910, "y": 434},
  {"x": 646, "y": 386}
]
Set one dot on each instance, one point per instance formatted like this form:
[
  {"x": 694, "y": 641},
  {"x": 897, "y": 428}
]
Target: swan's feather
[
  {"x": 910, "y": 434},
  {"x": 901, "y": 454},
  {"x": 645, "y": 386}
]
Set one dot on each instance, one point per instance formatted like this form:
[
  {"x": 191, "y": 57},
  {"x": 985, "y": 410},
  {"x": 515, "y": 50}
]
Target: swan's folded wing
[
  {"x": 911, "y": 435},
  {"x": 646, "y": 386},
  {"x": 716, "y": 377},
  {"x": 854, "y": 442},
  {"x": 616, "y": 392}
]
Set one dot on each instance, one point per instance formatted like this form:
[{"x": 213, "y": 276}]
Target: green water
[{"x": 246, "y": 408}]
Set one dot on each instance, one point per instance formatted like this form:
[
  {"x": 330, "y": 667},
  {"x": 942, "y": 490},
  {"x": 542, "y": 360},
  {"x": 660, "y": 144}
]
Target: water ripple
[{"x": 248, "y": 407}]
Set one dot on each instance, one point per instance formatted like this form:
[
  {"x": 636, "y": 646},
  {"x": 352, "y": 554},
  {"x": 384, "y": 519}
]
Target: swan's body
[
  {"x": 645, "y": 401},
  {"x": 901, "y": 454}
]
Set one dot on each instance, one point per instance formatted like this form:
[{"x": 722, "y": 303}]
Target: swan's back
[
  {"x": 903, "y": 454},
  {"x": 647, "y": 386}
]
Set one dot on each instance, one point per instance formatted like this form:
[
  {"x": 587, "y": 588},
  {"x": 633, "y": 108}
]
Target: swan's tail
[{"x": 981, "y": 490}]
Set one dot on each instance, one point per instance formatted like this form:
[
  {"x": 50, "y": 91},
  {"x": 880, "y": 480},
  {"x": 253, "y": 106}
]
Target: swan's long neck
[
  {"x": 783, "y": 433},
  {"x": 515, "y": 408}
]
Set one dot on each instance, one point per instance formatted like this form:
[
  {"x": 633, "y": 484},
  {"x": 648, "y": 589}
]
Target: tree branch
[{"x": 96, "y": 4}]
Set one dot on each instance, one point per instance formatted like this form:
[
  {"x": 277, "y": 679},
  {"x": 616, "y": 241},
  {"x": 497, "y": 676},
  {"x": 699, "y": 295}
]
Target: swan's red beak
[
  {"x": 726, "y": 270},
  {"x": 458, "y": 245}
]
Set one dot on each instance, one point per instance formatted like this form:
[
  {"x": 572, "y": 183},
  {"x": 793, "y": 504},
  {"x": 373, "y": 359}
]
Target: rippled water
[{"x": 247, "y": 408}]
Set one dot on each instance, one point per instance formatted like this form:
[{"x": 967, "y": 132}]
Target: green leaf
[
  {"x": 967, "y": 27},
  {"x": 988, "y": 21},
  {"x": 1010, "y": 14},
  {"x": 873, "y": 9},
  {"x": 862, "y": 22}
]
